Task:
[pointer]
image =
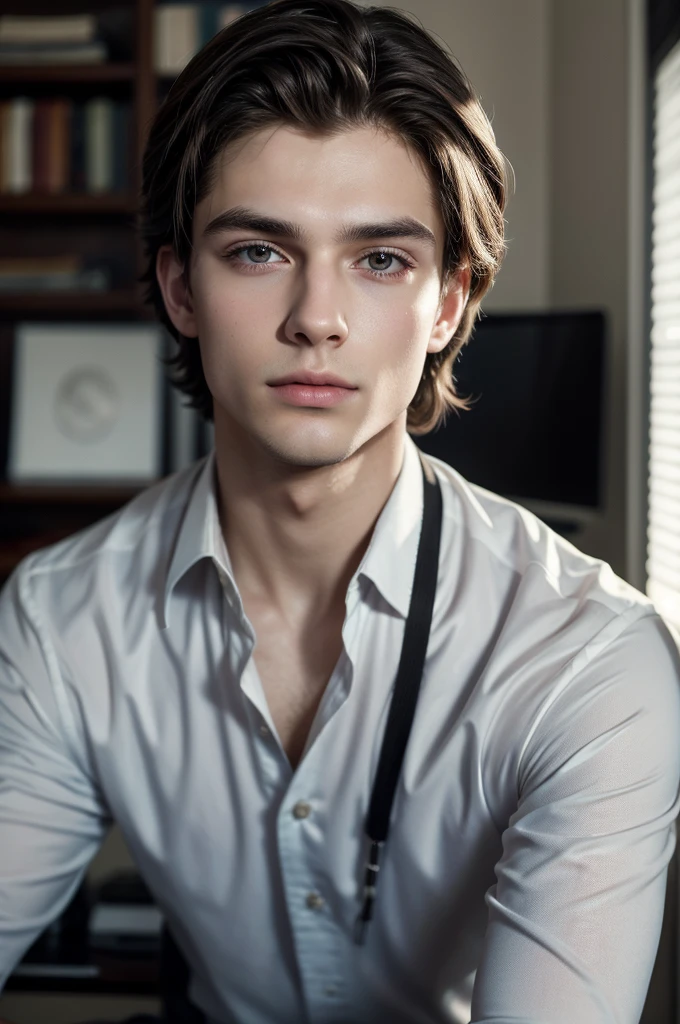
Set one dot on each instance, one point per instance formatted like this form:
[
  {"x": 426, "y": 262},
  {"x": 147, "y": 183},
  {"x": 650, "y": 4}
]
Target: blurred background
[{"x": 576, "y": 362}]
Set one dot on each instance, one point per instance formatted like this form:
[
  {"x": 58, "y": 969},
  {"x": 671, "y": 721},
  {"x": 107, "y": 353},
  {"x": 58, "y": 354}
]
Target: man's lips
[
  {"x": 312, "y": 379},
  {"x": 316, "y": 390}
]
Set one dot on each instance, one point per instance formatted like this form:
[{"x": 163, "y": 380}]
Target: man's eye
[
  {"x": 259, "y": 254},
  {"x": 387, "y": 259}
]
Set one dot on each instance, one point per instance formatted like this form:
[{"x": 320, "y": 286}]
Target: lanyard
[{"x": 406, "y": 687}]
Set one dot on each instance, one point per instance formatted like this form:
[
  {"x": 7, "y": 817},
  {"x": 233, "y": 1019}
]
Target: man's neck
[{"x": 296, "y": 536}]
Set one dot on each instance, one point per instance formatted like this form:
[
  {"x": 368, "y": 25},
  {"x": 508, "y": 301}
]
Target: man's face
[{"x": 267, "y": 306}]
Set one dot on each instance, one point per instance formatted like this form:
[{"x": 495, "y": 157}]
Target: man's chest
[{"x": 294, "y": 667}]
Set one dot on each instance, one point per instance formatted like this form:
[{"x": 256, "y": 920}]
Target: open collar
[{"x": 389, "y": 560}]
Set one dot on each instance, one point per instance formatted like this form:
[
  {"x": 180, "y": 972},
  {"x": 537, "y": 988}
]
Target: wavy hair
[{"x": 327, "y": 66}]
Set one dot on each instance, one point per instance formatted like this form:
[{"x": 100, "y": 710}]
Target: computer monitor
[{"x": 535, "y": 430}]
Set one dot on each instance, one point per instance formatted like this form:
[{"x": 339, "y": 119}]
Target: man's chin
[{"x": 306, "y": 456}]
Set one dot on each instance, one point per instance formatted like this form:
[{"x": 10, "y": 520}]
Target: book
[
  {"x": 99, "y": 144},
  {"x": 40, "y": 170},
  {"x": 176, "y": 36},
  {"x": 180, "y": 30},
  {"x": 18, "y": 145},
  {"x": 4, "y": 144},
  {"x": 74, "y": 28},
  {"x": 58, "y": 145},
  {"x": 87, "y": 53},
  {"x": 51, "y": 273}
]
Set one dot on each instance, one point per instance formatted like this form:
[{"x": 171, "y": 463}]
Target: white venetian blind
[{"x": 663, "y": 523}]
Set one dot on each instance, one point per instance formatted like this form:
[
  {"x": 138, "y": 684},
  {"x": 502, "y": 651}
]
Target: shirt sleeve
[
  {"x": 52, "y": 819},
  {"x": 575, "y": 916}
]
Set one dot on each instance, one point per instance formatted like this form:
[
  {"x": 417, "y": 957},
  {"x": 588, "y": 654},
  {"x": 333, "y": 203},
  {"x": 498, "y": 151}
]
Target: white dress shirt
[{"x": 524, "y": 875}]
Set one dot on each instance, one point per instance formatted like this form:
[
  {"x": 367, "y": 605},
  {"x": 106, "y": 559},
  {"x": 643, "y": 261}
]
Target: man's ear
[
  {"x": 451, "y": 309},
  {"x": 176, "y": 291}
]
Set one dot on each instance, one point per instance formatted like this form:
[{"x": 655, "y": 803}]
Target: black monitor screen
[{"x": 535, "y": 426}]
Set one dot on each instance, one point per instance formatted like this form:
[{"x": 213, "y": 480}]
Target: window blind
[{"x": 663, "y": 513}]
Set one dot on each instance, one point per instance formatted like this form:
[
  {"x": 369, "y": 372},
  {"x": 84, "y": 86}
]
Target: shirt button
[
  {"x": 314, "y": 901},
  {"x": 264, "y": 730},
  {"x": 301, "y": 809}
]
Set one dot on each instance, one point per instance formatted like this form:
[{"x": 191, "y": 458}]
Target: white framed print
[{"x": 86, "y": 403}]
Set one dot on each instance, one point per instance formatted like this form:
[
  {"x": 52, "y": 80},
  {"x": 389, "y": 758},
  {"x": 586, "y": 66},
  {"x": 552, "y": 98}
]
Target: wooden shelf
[
  {"x": 73, "y": 302},
  {"x": 69, "y": 494},
  {"x": 67, "y": 72},
  {"x": 65, "y": 202}
]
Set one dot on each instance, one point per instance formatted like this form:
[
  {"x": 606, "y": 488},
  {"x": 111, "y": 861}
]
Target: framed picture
[{"x": 86, "y": 403}]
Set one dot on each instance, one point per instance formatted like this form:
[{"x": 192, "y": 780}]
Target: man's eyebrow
[{"x": 242, "y": 217}]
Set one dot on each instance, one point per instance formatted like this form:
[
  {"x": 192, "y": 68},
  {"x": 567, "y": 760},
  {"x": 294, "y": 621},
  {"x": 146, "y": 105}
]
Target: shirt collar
[
  {"x": 199, "y": 534},
  {"x": 389, "y": 560}
]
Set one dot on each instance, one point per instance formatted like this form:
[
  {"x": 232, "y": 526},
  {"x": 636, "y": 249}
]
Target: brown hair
[{"x": 327, "y": 66}]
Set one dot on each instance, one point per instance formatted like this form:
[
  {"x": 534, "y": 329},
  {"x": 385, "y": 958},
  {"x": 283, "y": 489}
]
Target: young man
[{"x": 214, "y": 667}]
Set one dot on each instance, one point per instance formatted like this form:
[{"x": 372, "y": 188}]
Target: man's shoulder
[
  {"x": 517, "y": 546},
  {"x": 137, "y": 539}
]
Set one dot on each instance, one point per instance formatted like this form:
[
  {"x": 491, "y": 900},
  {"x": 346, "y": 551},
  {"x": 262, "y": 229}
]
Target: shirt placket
[
  {"x": 316, "y": 937},
  {"x": 319, "y": 944}
]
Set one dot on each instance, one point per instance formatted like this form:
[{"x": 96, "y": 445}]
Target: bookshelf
[
  {"x": 53, "y": 217},
  {"x": 47, "y": 223}
]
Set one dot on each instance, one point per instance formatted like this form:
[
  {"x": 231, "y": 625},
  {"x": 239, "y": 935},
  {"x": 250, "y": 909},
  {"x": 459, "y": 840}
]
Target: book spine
[
  {"x": 77, "y": 179},
  {"x": 161, "y": 38},
  {"x": 79, "y": 28},
  {"x": 177, "y": 36},
  {"x": 20, "y": 144},
  {"x": 59, "y": 145},
  {"x": 4, "y": 144},
  {"x": 99, "y": 144},
  {"x": 187, "y": 33},
  {"x": 52, "y": 147},
  {"x": 40, "y": 172},
  {"x": 92, "y": 53}
]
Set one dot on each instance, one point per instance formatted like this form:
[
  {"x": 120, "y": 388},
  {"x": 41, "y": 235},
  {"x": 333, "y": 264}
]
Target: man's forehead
[{"x": 350, "y": 180}]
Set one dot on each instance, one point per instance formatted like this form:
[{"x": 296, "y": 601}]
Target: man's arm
[
  {"x": 575, "y": 916},
  {"x": 51, "y": 818}
]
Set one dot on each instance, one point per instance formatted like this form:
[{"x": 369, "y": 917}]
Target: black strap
[{"x": 406, "y": 687}]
